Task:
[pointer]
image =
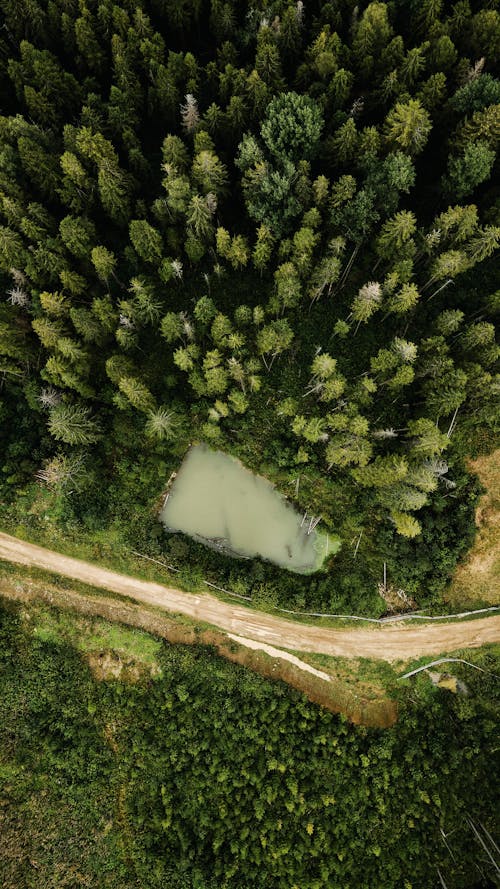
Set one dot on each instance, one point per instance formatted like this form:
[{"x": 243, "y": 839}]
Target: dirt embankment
[
  {"x": 478, "y": 578},
  {"x": 390, "y": 643}
]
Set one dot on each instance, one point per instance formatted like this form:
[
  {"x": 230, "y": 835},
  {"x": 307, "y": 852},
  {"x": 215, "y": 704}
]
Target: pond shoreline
[{"x": 217, "y": 501}]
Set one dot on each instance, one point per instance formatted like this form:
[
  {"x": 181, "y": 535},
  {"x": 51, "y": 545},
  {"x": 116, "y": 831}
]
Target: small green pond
[{"x": 217, "y": 501}]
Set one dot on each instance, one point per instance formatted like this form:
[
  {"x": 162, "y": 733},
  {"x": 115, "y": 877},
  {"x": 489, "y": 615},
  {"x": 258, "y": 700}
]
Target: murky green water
[{"x": 218, "y": 502}]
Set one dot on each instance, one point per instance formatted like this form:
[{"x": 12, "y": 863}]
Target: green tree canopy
[{"x": 292, "y": 127}]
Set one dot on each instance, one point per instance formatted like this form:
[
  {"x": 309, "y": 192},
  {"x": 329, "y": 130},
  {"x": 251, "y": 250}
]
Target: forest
[
  {"x": 270, "y": 227},
  {"x": 266, "y": 226},
  {"x": 193, "y": 773}
]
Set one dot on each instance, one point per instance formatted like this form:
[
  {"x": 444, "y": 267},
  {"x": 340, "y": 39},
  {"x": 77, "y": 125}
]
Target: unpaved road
[{"x": 390, "y": 643}]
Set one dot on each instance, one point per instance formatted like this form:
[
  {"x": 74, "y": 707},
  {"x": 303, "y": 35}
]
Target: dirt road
[{"x": 390, "y": 643}]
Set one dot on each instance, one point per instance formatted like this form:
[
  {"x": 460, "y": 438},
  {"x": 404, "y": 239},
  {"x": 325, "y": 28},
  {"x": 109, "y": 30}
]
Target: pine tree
[
  {"x": 75, "y": 190},
  {"x": 478, "y": 335},
  {"x": 483, "y": 244},
  {"x": 448, "y": 265},
  {"x": 145, "y": 307},
  {"x": 114, "y": 191},
  {"x": 406, "y": 525},
  {"x": 292, "y": 127},
  {"x": 78, "y": 235},
  {"x": 137, "y": 394},
  {"x": 287, "y": 288},
  {"x": 190, "y": 114},
  {"x": 73, "y": 424},
  {"x": 449, "y": 321},
  {"x": 40, "y": 165},
  {"x": 221, "y": 329},
  {"x": 413, "y": 64},
  {"x": 87, "y": 325},
  {"x": 404, "y": 300},
  {"x": 162, "y": 424},
  {"x": 268, "y": 65},
  {"x": 54, "y": 304},
  {"x": 348, "y": 450},
  {"x": 216, "y": 376},
  {"x": 304, "y": 242},
  {"x": 403, "y": 497},
  {"x": 366, "y": 302},
  {"x": 408, "y": 125},
  {"x": 183, "y": 359},
  {"x": 47, "y": 330},
  {"x": 432, "y": 93},
  {"x": 468, "y": 170},
  {"x": 205, "y": 310},
  {"x": 12, "y": 249},
  {"x": 147, "y": 240},
  {"x": 344, "y": 143},
  {"x": 238, "y": 402},
  {"x": 104, "y": 262},
  {"x": 371, "y": 36},
  {"x": 263, "y": 248},
  {"x": 199, "y": 217},
  {"x": 257, "y": 94},
  {"x": 457, "y": 224},
  {"x": 209, "y": 174},
  {"x": 273, "y": 339},
  {"x": 327, "y": 272},
  {"x": 171, "y": 327},
  {"x": 383, "y": 472},
  {"x": 175, "y": 154},
  {"x": 483, "y": 126},
  {"x": 239, "y": 253},
  {"x": 446, "y": 391},
  {"x": 396, "y": 234}
]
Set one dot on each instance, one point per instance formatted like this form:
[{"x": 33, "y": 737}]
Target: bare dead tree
[
  {"x": 190, "y": 114},
  {"x": 49, "y": 397}
]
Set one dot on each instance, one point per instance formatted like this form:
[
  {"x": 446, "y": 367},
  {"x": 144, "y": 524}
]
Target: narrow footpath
[{"x": 390, "y": 643}]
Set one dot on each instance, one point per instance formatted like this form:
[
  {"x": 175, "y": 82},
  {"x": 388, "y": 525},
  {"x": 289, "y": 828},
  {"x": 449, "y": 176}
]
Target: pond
[{"x": 215, "y": 500}]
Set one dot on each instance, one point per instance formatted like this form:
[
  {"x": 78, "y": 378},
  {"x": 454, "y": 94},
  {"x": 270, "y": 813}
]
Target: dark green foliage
[
  {"x": 476, "y": 94},
  {"x": 292, "y": 127},
  {"x": 198, "y": 201},
  {"x": 209, "y": 776}
]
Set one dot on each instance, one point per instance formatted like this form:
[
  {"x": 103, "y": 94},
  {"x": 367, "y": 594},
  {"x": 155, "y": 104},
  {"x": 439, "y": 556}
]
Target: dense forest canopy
[
  {"x": 209, "y": 777},
  {"x": 266, "y": 226}
]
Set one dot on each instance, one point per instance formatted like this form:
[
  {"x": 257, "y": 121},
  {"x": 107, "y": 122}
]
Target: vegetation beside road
[{"x": 77, "y": 606}]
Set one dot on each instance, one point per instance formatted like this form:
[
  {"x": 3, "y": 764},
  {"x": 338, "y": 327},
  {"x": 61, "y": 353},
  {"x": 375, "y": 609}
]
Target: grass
[
  {"x": 477, "y": 579},
  {"x": 93, "y": 634},
  {"x": 374, "y": 677},
  {"x": 481, "y": 657}
]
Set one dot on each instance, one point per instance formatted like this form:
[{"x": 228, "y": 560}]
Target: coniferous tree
[{"x": 73, "y": 424}]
